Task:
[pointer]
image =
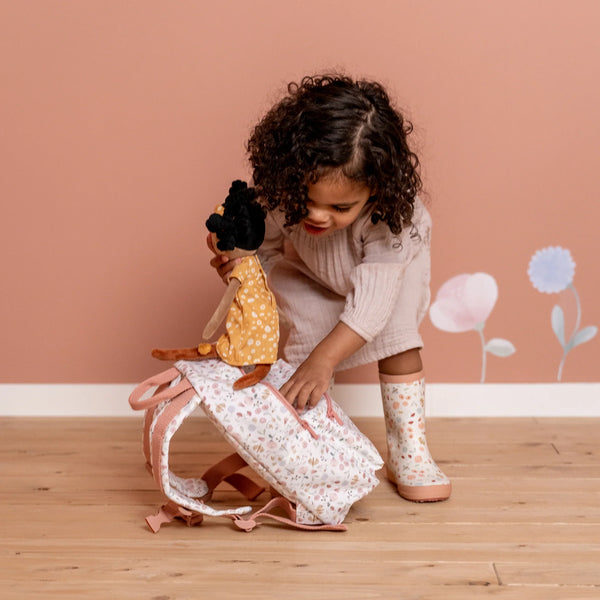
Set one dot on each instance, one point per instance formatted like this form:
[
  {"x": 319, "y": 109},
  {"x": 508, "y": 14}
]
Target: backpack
[{"x": 316, "y": 463}]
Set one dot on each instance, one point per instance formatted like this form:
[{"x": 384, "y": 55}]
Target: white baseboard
[
  {"x": 358, "y": 400},
  {"x": 485, "y": 399}
]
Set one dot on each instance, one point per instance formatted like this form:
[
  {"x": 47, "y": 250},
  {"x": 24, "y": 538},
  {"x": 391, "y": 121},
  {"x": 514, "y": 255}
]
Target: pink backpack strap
[
  {"x": 162, "y": 381},
  {"x": 171, "y": 511},
  {"x": 179, "y": 395},
  {"x": 248, "y": 524},
  {"x": 226, "y": 470},
  {"x": 148, "y": 418},
  {"x": 176, "y": 405}
]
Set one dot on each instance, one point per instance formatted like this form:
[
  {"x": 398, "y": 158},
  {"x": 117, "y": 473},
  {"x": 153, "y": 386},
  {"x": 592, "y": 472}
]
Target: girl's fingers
[
  {"x": 218, "y": 261},
  {"x": 209, "y": 243},
  {"x": 301, "y": 395},
  {"x": 290, "y": 390},
  {"x": 224, "y": 265},
  {"x": 315, "y": 396},
  {"x": 285, "y": 390}
]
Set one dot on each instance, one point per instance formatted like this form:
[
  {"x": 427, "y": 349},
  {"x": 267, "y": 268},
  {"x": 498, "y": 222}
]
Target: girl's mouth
[{"x": 313, "y": 229}]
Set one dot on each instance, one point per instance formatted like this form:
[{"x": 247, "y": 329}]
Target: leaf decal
[
  {"x": 499, "y": 347},
  {"x": 582, "y": 336},
  {"x": 558, "y": 324}
]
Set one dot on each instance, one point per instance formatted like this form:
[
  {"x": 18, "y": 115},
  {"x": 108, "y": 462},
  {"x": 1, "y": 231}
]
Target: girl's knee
[{"x": 403, "y": 363}]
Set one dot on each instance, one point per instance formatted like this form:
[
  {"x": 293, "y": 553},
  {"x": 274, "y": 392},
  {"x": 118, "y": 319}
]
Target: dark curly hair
[
  {"x": 242, "y": 224},
  {"x": 332, "y": 124}
]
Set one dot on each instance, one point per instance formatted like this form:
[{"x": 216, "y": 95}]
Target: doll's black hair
[
  {"x": 332, "y": 125},
  {"x": 242, "y": 224}
]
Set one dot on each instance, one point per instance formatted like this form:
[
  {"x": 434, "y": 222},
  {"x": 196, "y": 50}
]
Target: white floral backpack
[{"x": 317, "y": 463}]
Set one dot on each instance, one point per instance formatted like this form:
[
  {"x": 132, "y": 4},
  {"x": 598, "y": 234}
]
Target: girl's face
[{"x": 334, "y": 203}]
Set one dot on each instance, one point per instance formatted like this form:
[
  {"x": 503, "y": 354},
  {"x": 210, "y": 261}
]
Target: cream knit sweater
[{"x": 357, "y": 275}]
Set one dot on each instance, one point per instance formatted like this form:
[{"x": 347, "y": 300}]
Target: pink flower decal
[{"x": 464, "y": 302}]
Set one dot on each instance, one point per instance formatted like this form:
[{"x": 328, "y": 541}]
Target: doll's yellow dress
[{"x": 252, "y": 324}]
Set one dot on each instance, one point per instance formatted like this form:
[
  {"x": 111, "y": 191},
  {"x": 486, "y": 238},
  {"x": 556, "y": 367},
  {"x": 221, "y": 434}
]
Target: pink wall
[{"x": 124, "y": 122}]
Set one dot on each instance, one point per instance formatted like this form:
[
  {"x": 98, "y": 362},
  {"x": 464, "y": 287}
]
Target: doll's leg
[
  {"x": 200, "y": 352},
  {"x": 409, "y": 463}
]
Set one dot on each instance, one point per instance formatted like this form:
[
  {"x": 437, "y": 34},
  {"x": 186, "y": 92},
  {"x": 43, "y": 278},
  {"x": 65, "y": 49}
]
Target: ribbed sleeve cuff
[
  {"x": 357, "y": 328},
  {"x": 371, "y": 302}
]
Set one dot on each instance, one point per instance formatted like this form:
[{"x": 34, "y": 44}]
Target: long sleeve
[
  {"x": 376, "y": 281},
  {"x": 271, "y": 250}
]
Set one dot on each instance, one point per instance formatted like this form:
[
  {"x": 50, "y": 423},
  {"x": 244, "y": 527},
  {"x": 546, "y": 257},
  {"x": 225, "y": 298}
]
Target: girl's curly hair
[{"x": 332, "y": 124}]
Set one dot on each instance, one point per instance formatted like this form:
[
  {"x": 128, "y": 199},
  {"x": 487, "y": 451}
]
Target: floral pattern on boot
[{"x": 409, "y": 463}]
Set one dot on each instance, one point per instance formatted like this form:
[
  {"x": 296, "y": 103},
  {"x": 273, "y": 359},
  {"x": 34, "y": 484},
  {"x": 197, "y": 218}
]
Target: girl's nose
[{"x": 316, "y": 215}]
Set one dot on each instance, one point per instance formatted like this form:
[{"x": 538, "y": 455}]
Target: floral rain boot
[{"x": 409, "y": 463}]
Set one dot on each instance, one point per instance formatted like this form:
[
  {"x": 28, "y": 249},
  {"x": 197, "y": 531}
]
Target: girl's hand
[
  {"x": 310, "y": 381},
  {"x": 312, "y": 377},
  {"x": 221, "y": 263}
]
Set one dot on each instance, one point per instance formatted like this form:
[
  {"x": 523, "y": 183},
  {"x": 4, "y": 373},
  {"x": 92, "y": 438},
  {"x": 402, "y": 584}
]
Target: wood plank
[
  {"x": 583, "y": 573},
  {"x": 442, "y": 430},
  {"x": 468, "y": 487},
  {"x": 505, "y": 506},
  {"x": 258, "y": 590},
  {"x": 288, "y": 567},
  {"x": 156, "y": 547}
]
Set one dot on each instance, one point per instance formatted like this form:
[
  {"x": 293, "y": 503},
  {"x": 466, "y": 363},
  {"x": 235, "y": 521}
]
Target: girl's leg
[{"x": 409, "y": 463}]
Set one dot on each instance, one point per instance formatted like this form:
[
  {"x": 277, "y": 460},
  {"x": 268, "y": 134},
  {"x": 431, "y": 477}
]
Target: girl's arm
[
  {"x": 385, "y": 259},
  {"x": 272, "y": 248},
  {"x": 312, "y": 377}
]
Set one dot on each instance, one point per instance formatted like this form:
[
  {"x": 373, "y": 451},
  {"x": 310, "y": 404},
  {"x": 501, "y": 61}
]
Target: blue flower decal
[{"x": 551, "y": 270}]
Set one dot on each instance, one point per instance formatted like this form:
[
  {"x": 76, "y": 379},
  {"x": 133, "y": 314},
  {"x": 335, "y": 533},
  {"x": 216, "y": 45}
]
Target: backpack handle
[{"x": 136, "y": 400}]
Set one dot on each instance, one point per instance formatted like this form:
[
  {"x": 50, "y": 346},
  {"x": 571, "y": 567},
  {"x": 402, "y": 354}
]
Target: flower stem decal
[
  {"x": 464, "y": 303},
  {"x": 551, "y": 270}
]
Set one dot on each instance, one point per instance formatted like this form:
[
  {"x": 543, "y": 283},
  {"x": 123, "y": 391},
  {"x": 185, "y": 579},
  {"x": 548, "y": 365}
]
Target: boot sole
[{"x": 422, "y": 493}]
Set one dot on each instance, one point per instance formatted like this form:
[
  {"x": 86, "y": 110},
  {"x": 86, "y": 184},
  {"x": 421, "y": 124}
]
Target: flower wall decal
[
  {"x": 464, "y": 303},
  {"x": 552, "y": 270}
]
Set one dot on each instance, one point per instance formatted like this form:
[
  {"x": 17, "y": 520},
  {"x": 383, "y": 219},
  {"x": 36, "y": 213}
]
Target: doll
[{"x": 252, "y": 325}]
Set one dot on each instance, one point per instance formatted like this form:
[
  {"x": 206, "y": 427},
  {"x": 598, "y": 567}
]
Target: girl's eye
[{"x": 342, "y": 209}]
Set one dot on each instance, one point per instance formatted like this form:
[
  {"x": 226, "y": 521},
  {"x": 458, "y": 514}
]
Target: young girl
[{"x": 347, "y": 254}]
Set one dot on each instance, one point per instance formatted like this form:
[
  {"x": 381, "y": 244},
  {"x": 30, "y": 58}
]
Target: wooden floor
[{"x": 523, "y": 522}]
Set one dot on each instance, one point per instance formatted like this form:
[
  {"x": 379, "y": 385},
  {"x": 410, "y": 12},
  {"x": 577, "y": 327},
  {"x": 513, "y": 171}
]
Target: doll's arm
[{"x": 223, "y": 308}]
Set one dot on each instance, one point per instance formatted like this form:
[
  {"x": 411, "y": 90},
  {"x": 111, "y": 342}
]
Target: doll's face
[
  {"x": 231, "y": 254},
  {"x": 334, "y": 202}
]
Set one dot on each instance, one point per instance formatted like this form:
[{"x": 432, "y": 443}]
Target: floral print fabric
[{"x": 322, "y": 475}]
